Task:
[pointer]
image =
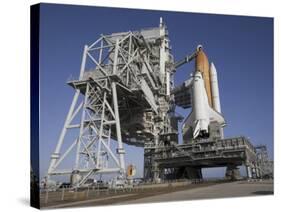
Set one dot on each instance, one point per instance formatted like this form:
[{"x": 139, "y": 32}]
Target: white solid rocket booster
[
  {"x": 215, "y": 88},
  {"x": 215, "y": 91}
]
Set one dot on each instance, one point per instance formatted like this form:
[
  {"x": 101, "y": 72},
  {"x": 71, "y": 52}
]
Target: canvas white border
[{"x": 14, "y": 105}]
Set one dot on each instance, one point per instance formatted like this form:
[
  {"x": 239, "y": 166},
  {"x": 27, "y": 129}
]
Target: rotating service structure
[{"x": 124, "y": 91}]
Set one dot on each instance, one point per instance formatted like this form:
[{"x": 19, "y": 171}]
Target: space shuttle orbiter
[
  {"x": 205, "y": 100},
  {"x": 202, "y": 113}
]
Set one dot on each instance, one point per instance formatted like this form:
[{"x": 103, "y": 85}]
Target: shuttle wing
[{"x": 215, "y": 116}]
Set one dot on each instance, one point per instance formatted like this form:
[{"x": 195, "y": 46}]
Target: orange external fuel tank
[{"x": 202, "y": 65}]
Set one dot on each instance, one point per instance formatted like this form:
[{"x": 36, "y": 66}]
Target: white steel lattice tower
[{"x": 122, "y": 95}]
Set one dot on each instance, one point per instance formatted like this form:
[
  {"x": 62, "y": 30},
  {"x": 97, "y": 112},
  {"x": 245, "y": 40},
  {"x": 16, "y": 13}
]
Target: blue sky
[{"x": 241, "y": 48}]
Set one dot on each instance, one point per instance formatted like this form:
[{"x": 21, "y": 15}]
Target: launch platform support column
[
  {"x": 249, "y": 171},
  {"x": 232, "y": 172},
  {"x": 120, "y": 149},
  {"x": 257, "y": 171}
]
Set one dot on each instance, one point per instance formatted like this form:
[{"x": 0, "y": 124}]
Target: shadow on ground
[{"x": 263, "y": 192}]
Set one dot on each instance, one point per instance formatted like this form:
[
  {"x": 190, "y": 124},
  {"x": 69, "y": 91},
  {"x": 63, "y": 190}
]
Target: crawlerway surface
[{"x": 188, "y": 192}]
